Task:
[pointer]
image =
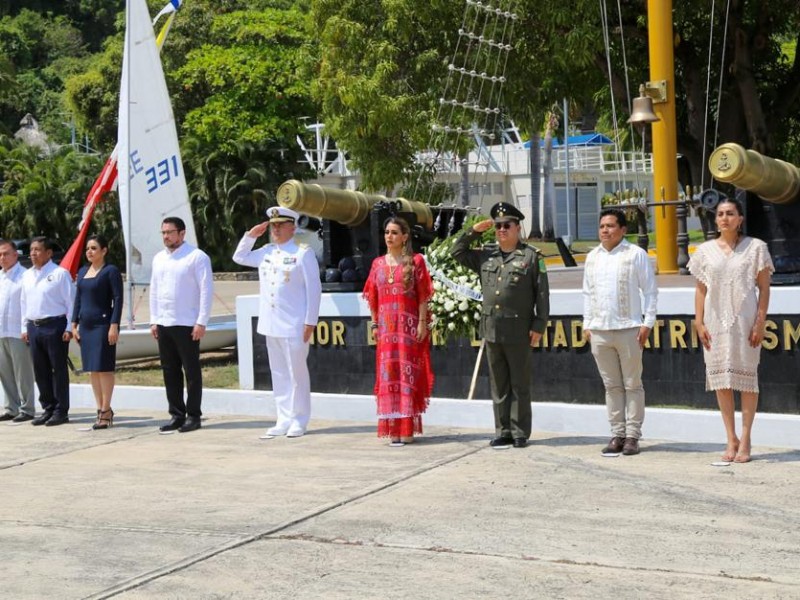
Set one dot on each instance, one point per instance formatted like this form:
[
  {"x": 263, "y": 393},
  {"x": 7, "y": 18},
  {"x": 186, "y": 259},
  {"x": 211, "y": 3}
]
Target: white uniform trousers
[{"x": 291, "y": 384}]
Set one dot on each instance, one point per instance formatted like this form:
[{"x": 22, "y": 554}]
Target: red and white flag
[{"x": 105, "y": 182}]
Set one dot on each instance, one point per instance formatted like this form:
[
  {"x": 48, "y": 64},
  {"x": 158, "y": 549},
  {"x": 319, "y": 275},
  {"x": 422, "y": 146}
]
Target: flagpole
[{"x": 127, "y": 187}]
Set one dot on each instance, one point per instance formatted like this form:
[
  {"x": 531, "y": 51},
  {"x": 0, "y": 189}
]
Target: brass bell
[{"x": 642, "y": 109}]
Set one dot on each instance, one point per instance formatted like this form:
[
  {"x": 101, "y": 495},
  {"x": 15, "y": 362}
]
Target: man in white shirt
[
  {"x": 619, "y": 310},
  {"x": 290, "y": 293},
  {"x": 46, "y": 299},
  {"x": 181, "y": 292},
  {"x": 16, "y": 367}
]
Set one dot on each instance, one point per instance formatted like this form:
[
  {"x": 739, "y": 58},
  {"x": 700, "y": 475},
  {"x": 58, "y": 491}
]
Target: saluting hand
[
  {"x": 482, "y": 226},
  {"x": 258, "y": 230}
]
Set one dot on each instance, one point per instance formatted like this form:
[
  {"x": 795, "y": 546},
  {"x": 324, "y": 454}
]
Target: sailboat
[{"x": 151, "y": 179}]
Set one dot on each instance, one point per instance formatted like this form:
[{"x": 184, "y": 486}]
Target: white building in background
[{"x": 588, "y": 166}]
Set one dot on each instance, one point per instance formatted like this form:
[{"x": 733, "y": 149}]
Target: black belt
[{"x": 46, "y": 320}]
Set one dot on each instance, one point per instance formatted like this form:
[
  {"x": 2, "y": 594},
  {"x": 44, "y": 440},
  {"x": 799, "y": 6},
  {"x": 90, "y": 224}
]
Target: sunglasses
[{"x": 503, "y": 225}]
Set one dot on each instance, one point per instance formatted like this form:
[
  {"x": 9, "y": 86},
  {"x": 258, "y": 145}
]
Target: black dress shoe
[
  {"x": 7, "y": 417},
  {"x": 175, "y": 424},
  {"x": 22, "y": 417},
  {"x": 56, "y": 419},
  {"x": 501, "y": 442},
  {"x": 520, "y": 442},
  {"x": 191, "y": 424},
  {"x": 42, "y": 418}
]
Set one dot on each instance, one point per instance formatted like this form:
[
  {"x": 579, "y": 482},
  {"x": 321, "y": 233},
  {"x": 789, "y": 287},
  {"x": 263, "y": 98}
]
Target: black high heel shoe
[{"x": 104, "y": 420}]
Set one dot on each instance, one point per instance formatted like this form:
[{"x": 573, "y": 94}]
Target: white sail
[{"x": 152, "y": 184}]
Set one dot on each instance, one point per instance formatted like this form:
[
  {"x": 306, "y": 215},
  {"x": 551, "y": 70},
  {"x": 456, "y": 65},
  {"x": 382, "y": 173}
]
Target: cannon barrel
[
  {"x": 343, "y": 206},
  {"x": 773, "y": 180}
]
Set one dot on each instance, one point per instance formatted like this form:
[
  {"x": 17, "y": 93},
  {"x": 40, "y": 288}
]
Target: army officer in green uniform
[{"x": 516, "y": 306}]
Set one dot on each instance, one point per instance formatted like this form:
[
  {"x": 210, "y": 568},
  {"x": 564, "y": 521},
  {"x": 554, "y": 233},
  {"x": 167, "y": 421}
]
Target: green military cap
[{"x": 503, "y": 211}]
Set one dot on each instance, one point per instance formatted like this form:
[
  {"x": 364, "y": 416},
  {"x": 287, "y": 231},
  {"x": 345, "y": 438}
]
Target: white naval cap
[{"x": 279, "y": 214}]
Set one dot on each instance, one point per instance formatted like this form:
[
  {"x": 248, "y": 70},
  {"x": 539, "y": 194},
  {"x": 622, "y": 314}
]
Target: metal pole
[
  {"x": 463, "y": 164},
  {"x": 665, "y": 145},
  {"x": 536, "y": 187},
  {"x": 568, "y": 239}
]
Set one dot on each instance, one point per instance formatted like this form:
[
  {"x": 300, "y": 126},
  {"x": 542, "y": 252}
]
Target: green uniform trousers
[{"x": 510, "y": 376}]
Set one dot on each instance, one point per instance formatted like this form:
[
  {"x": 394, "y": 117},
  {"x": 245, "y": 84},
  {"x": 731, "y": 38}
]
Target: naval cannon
[
  {"x": 769, "y": 190},
  {"x": 351, "y": 227}
]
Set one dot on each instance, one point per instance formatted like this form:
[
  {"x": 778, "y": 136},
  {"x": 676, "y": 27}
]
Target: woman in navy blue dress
[{"x": 95, "y": 324}]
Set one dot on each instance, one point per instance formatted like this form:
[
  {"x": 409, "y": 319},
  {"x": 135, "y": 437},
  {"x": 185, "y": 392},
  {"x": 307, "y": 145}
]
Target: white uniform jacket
[{"x": 290, "y": 288}]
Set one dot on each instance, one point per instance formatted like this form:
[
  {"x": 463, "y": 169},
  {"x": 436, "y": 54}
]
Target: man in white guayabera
[{"x": 619, "y": 310}]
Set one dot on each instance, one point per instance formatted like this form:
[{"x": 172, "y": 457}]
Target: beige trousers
[{"x": 619, "y": 360}]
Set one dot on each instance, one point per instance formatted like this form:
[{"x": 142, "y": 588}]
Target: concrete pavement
[{"x": 218, "y": 513}]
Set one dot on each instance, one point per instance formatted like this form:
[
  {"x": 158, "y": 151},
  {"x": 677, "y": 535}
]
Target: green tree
[
  {"x": 380, "y": 72},
  {"x": 92, "y": 97},
  {"x": 230, "y": 191},
  {"x": 382, "y": 66},
  {"x": 43, "y": 49},
  {"x": 243, "y": 84},
  {"x": 38, "y": 190}
]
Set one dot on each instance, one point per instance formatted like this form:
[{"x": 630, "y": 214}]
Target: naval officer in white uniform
[{"x": 290, "y": 293}]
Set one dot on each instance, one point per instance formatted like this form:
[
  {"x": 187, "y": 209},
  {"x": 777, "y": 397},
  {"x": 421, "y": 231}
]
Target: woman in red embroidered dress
[{"x": 398, "y": 290}]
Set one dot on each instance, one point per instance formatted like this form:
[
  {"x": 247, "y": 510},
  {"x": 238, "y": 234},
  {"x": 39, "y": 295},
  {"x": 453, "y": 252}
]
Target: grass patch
[{"x": 220, "y": 370}]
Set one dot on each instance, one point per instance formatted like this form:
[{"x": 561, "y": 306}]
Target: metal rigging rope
[
  {"x": 708, "y": 88},
  {"x": 473, "y": 88},
  {"x": 607, "y": 44}
]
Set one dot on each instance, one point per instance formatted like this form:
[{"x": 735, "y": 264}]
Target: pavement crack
[
  {"x": 305, "y": 537},
  {"x": 41, "y": 457}
]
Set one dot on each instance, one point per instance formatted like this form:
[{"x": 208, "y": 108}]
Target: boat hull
[{"x": 138, "y": 343}]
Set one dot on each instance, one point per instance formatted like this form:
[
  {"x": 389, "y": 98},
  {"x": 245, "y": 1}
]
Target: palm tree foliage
[{"x": 230, "y": 191}]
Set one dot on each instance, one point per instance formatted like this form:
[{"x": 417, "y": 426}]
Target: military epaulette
[{"x": 539, "y": 257}]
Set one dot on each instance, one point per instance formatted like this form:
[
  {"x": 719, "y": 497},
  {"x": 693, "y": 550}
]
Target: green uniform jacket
[{"x": 516, "y": 293}]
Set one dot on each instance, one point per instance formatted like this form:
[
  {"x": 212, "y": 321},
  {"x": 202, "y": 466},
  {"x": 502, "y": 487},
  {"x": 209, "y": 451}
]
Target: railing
[
  {"x": 504, "y": 160},
  {"x": 599, "y": 160}
]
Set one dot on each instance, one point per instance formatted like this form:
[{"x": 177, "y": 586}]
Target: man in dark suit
[
  {"x": 47, "y": 297},
  {"x": 516, "y": 306}
]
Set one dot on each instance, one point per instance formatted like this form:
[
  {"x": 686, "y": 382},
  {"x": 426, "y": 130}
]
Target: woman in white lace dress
[{"x": 730, "y": 318}]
